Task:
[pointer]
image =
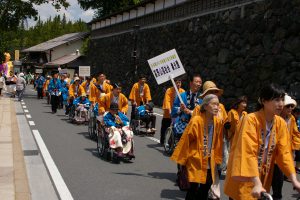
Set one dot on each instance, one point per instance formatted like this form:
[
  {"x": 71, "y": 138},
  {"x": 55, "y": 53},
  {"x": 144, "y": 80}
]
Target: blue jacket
[
  {"x": 176, "y": 105},
  {"x": 86, "y": 101},
  {"x": 65, "y": 93},
  {"x": 54, "y": 88},
  {"x": 40, "y": 82},
  {"x": 110, "y": 120},
  {"x": 298, "y": 123},
  {"x": 141, "y": 111}
]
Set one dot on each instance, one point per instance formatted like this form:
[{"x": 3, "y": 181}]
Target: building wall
[
  {"x": 241, "y": 53},
  {"x": 65, "y": 49}
]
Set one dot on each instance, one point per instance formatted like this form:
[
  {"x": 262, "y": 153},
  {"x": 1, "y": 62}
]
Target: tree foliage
[
  {"x": 41, "y": 32},
  {"x": 106, "y": 7}
]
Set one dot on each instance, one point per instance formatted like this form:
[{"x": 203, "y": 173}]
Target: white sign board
[
  {"x": 166, "y": 65},
  {"x": 63, "y": 71},
  {"x": 39, "y": 71},
  {"x": 84, "y": 71}
]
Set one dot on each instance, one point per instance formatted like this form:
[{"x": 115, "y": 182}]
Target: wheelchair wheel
[
  {"x": 91, "y": 126},
  {"x": 101, "y": 143},
  {"x": 135, "y": 127},
  {"x": 169, "y": 142}
]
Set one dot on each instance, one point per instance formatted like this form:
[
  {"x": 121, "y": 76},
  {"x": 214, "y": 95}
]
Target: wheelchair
[
  {"x": 139, "y": 126},
  {"x": 103, "y": 147},
  {"x": 78, "y": 117},
  {"x": 171, "y": 140},
  {"x": 92, "y": 122}
]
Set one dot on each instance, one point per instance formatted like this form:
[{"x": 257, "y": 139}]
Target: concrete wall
[{"x": 240, "y": 54}]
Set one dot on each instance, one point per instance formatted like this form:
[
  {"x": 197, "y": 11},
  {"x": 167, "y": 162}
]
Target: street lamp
[{"x": 134, "y": 53}]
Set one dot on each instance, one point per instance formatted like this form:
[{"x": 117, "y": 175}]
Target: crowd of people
[{"x": 256, "y": 151}]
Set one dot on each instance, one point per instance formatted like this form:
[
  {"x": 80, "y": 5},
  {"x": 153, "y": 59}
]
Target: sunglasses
[{"x": 289, "y": 106}]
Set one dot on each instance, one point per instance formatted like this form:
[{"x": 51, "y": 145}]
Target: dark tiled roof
[{"x": 63, "y": 60}]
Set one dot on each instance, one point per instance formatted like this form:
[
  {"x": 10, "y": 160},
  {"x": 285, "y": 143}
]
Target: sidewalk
[{"x": 13, "y": 176}]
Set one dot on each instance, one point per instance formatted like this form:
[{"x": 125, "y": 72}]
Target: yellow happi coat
[
  {"x": 86, "y": 87},
  {"x": 73, "y": 93},
  {"x": 106, "y": 100},
  {"x": 233, "y": 119},
  {"x": 134, "y": 95},
  {"x": 95, "y": 93},
  {"x": 190, "y": 149},
  {"x": 294, "y": 133},
  {"x": 222, "y": 115},
  {"x": 244, "y": 155},
  {"x": 169, "y": 100}
]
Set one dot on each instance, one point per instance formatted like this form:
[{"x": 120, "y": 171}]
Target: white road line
[
  {"x": 56, "y": 177},
  {"x": 154, "y": 139},
  {"x": 24, "y": 106},
  {"x": 26, "y": 111},
  {"x": 31, "y": 123},
  {"x": 22, "y": 100},
  {"x": 157, "y": 114},
  {"x": 28, "y": 116},
  {"x": 22, "y": 103}
]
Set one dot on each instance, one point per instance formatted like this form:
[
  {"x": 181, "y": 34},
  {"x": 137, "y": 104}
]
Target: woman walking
[{"x": 200, "y": 148}]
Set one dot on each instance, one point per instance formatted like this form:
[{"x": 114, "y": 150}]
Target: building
[{"x": 61, "y": 52}]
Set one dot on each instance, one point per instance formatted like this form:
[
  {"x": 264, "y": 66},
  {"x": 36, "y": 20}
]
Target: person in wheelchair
[
  {"x": 75, "y": 91},
  {"x": 120, "y": 135},
  {"x": 82, "y": 105},
  {"x": 145, "y": 112}
]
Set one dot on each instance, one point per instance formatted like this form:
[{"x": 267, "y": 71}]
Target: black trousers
[
  {"x": 277, "y": 182},
  {"x": 54, "y": 102},
  {"x": 165, "y": 123},
  {"x": 199, "y": 191},
  {"x": 297, "y": 155},
  {"x": 39, "y": 93},
  {"x": 149, "y": 119}
]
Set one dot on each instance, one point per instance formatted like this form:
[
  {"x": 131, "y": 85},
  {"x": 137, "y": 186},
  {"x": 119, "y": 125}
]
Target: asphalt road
[{"x": 150, "y": 176}]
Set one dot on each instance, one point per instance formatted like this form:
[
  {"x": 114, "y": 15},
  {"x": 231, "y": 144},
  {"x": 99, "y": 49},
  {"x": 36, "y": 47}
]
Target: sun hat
[
  {"x": 76, "y": 79},
  {"x": 210, "y": 86},
  {"x": 289, "y": 101}
]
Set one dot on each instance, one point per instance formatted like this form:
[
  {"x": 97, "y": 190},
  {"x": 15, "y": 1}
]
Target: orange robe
[
  {"x": 243, "y": 159},
  {"x": 135, "y": 94},
  {"x": 294, "y": 133},
  {"x": 86, "y": 89},
  {"x": 95, "y": 93},
  {"x": 190, "y": 149},
  {"x": 233, "y": 119},
  {"x": 45, "y": 86},
  {"x": 106, "y": 100},
  {"x": 169, "y": 100},
  {"x": 73, "y": 93}
]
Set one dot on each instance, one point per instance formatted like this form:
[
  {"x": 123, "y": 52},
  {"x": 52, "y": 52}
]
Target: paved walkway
[{"x": 13, "y": 177}]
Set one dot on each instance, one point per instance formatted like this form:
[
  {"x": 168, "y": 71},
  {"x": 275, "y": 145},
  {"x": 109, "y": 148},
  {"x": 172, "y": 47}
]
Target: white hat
[
  {"x": 289, "y": 101},
  {"x": 21, "y": 74},
  {"x": 76, "y": 79}
]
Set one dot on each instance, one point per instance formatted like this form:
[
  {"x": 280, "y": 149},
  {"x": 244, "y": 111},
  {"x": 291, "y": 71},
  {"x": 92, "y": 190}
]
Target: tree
[{"x": 106, "y": 7}]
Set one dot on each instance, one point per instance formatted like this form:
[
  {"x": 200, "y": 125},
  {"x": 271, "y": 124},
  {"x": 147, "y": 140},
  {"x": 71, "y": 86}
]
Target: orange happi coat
[
  {"x": 73, "y": 93},
  {"x": 243, "y": 159},
  {"x": 106, "y": 100},
  {"x": 169, "y": 100},
  {"x": 95, "y": 93},
  {"x": 233, "y": 119},
  {"x": 45, "y": 86},
  {"x": 190, "y": 149},
  {"x": 222, "y": 115},
  {"x": 294, "y": 133},
  {"x": 86, "y": 87},
  {"x": 134, "y": 95}
]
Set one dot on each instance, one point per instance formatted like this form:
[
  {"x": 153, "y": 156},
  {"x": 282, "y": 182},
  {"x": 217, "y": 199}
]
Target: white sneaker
[{"x": 148, "y": 130}]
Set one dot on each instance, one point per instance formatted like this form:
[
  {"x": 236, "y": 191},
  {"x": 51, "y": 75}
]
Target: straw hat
[
  {"x": 211, "y": 86},
  {"x": 289, "y": 101}
]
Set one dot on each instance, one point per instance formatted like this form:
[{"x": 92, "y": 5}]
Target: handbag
[{"x": 182, "y": 179}]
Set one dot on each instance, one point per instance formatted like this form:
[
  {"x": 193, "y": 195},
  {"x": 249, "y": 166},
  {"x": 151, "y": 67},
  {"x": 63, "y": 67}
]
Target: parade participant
[
  {"x": 169, "y": 98},
  {"x": 82, "y": 105},
  {"x": 63, "y": 85},
  {"x": 86, "y": 86},
  {"x": 238, "y": 110},
  {"x": 65, "y": 94},
  {"x": 75, "y": 90},
  {"x": 140, "y": 94},
  {"x": 45, "y": 89},
  {"x": 200, "y": 149},
  {"x": 120, "y": 135},
  {"x": 20, "y": 86},
  {"x": 11, "y": 84},
  {"x": 7, "y": 65},
  {"x": 261, "y": 139},
  {"x": 183, "y": 111},
  {"x": 99, "y": 88},
  {"x": 294, "y": 140},
  {"x": 54, "y": 90},
  {"x": 2, "y": 83},
  {"x": 114, "y": 97},
  {"x": 39, "y": 83},
  {"x": 296, "y": 113},
  {"x": 145, "y": 112}
]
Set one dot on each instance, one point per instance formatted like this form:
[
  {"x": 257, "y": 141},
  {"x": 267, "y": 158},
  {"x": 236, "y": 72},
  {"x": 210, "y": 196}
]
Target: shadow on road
[
  {"x": 172, "y": 194},
  {"x": 159, "y": 148},
  {"x": 86, "y": 136}
]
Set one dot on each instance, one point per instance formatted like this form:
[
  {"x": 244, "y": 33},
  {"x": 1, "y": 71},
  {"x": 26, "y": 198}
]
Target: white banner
[
  {"x": 39, "y": 71},
  {"x": 84, "y": 71},
  {"x": 166, "y": 65}
]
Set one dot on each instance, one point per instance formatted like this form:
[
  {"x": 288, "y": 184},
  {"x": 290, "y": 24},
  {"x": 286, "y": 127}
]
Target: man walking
[{"x": 20, "y": 86}]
